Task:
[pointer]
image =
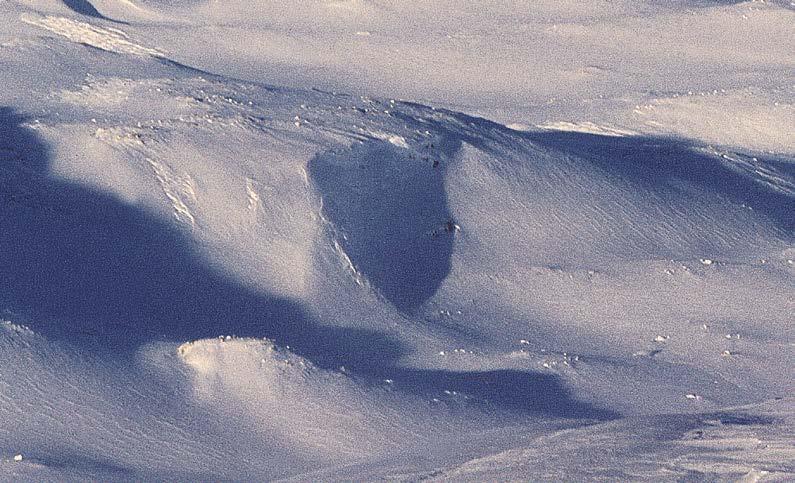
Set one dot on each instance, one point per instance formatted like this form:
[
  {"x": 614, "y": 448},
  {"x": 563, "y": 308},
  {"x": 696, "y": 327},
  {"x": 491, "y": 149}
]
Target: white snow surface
[{"x": 328, "y": 240}]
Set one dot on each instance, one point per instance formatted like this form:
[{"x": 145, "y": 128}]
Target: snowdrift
[{"x": 206, "y": 277}]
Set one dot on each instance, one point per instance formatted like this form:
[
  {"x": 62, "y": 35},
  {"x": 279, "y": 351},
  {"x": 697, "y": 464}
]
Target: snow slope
[{"x": 219, "y": 263}]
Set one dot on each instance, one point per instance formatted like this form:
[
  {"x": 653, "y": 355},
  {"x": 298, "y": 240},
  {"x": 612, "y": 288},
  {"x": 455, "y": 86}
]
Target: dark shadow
[
  {"x": 68, "y": 460},
  {"x": 88, "y": 270},
  {"x": 84, "y": 467},
  {"x": 390, "y": 211},
  {"x": 737, "y": 419},
  {"x": 193, "y": 71},
  {"x": 84, "y": 7},
  {"x": 501, "y": 390}
]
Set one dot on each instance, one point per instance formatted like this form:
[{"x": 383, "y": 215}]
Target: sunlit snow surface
[{"x": 238, "y": 243}]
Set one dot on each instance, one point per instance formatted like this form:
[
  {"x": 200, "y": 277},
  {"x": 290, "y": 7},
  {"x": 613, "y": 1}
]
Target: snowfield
[{"x": 392, "y": 239}]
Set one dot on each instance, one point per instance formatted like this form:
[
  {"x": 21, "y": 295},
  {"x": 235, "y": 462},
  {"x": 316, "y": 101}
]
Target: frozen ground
[{"x": 345, "y": 240}]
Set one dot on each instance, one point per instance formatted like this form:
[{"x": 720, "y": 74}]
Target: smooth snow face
[
  {"x": 400, "y": 291},
  {"x": 724, "y": 65}
]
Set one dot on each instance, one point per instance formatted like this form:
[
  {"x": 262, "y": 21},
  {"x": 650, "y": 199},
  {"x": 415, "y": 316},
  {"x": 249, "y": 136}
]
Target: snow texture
[{"x": 397, "y": 240}]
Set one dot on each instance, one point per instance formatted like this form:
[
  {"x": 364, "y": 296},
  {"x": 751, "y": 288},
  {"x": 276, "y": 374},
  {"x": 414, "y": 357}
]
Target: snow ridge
[{"x": 110, "y": 39}]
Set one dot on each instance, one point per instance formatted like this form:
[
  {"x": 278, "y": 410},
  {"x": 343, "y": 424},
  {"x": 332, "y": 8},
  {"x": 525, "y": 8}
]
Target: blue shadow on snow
[{"x": 88, "y": 270}]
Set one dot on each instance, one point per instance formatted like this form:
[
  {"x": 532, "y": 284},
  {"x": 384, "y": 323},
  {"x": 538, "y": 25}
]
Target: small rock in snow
[{"x": 451, "y": 227}]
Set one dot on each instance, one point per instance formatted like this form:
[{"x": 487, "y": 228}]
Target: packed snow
[{"x": 338, "y": 240}]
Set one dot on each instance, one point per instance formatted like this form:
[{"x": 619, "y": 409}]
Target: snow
[{"x": 360, "y": 240}]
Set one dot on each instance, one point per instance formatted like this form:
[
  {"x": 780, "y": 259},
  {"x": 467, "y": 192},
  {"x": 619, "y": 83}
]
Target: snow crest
[{"x": 110, "y": 39}]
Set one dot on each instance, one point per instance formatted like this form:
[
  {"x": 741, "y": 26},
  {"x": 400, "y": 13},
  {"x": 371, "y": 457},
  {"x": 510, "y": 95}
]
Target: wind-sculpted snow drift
[{"x": 206, "y": 278}]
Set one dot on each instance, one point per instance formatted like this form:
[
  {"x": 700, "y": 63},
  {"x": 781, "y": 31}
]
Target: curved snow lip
[
  {"x": 108, "y": 39},
  {"x": 764, "y": 181}
]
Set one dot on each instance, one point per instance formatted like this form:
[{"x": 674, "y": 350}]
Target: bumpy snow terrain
[{"x": 253, "y": 240}]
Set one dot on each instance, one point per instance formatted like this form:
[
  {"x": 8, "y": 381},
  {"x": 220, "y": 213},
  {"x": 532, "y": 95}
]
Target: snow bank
[{"x": 417, "y": 291}]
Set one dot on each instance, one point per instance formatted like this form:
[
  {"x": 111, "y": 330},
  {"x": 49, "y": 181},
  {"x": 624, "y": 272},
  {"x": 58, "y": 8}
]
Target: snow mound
[{"x": 290, "y": 401}]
